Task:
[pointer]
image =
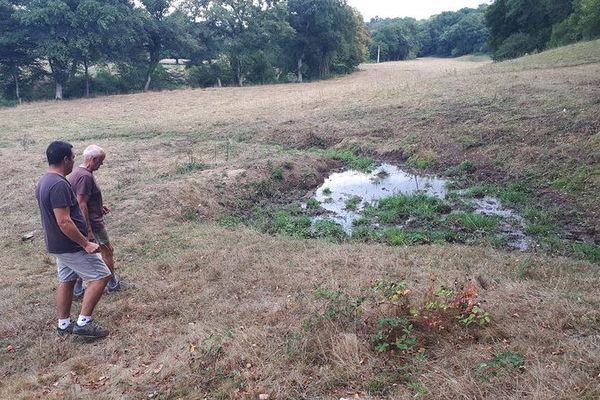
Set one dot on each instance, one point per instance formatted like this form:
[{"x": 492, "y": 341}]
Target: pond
[{"x": 345, "y": 195}]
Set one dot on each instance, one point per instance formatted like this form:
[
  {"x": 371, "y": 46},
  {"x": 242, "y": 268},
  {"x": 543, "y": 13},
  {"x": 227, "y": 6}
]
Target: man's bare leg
[
  {"x": 64, "y": 297},
  {"x": 92, "y": 295}
]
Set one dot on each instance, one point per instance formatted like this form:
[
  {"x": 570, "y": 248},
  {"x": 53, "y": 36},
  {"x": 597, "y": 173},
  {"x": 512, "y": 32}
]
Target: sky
[{"x": 419, "y": 9}]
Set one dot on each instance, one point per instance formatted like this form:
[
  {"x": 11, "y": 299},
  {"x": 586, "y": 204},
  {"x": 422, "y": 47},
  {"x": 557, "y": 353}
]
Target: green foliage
[
  {"x": 418, "y": 388},
  {"x": 190, "y": 167},
  {"x": 500, "y": 364},
  {"x": 326, "y": 191},
  {"x": 476, "y": 315},
  {"x": 295, "y": 226},
  {"x": 277, "y": 173},
  {"x": 330, "y": 230},
  {"x": 353, "y": 161},
  {"x": 339, "y": 305},
  {"x": 313, "y": 204},
  {"x": 473, "y": 222},
  {"x": 588, "y": 251},
  {"x": 395, "y": 209},
  {"x": 353, "y": 202},
  {"x": 394, "y": 333}
]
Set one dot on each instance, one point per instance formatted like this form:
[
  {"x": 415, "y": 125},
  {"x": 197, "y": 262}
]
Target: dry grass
[{"x": 221, "y": 312}]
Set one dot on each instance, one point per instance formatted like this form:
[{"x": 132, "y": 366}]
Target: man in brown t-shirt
[{"x": 90, "y": 202}]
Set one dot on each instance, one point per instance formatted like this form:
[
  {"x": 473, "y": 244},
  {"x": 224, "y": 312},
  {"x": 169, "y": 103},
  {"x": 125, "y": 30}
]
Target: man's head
[
  {"x": 93, "y": 157},
  {"x": 60, "y": 155}
]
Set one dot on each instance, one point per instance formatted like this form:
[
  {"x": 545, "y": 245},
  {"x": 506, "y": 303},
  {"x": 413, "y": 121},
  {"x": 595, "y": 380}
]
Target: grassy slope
[{"x": 221, "y": 312}]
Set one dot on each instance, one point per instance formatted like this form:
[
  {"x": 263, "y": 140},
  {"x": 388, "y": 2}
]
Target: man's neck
[
  {"x": 88, "y": 167},
  {"x": 56, "y": 170}
]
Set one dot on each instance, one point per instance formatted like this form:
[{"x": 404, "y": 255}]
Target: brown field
[{"x": 228, "y": 312}]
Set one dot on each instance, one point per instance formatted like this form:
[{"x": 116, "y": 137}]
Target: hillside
[{"x": 223, "y": 309}]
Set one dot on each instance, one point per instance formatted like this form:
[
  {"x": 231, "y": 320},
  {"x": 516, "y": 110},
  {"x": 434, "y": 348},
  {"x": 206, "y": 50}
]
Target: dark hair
[{"x": 57, "y": 151}]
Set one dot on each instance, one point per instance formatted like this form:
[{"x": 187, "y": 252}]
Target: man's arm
[
  {"x": 83, "y": 199},
  {"x": 67, "y": 226}
]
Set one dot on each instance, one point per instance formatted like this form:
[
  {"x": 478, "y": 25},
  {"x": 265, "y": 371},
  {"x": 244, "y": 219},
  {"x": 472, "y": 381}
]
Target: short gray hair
[{"x": 93, "y": 151}]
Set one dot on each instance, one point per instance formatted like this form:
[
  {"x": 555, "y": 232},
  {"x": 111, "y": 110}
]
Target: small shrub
[
  {"x": 394, "y": 333},
  {"x": 326, "y": 192}
]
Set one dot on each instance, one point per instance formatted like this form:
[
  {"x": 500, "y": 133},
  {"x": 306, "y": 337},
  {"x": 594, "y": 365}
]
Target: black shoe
[
  {"x": 90, "y": 330},
  {"x": 67, "y": 331}
]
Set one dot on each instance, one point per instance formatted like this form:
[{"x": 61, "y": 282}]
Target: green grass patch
[
  {"x": 353, "y": 202},
  {"x": 313, "y": 204},
  {"x": 575, "y": 182},
  {"x": 330, "y": 230},
  {"x": 588, "y": 251},
  {"x": 291, "y": 225},
  {"x": 190, "y": 167},
  {"x": 351, "y": 160},
  {"x": 472, "y": 222},
  {"x": 395, "y": 209}
]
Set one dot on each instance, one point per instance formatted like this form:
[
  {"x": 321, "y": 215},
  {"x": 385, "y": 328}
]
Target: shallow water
[
  {"x": 388, "y": 180},
  {"x": 385, "y": 181}
]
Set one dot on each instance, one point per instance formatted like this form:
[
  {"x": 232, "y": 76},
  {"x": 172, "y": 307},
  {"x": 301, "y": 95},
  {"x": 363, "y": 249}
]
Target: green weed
[
  {"x": 330, "y": 230},
  {"x": 313, "y": 204},
  {"x": 418, "y": 388},
  {"x": 501, "y": 363},
  {"x": 472, "y": 222},
  {"x": 190, "y": 167},
  {"x": 394, "y": 333},
  {"x": 394, "y": 209},
  {"x": 326, "y": 192},
  {"x": 295, "y": 226},
  {"x": 353, "y": 161},
  {"x": 353, "y": 202}
]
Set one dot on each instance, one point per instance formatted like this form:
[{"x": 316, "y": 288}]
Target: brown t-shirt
[
  {"x": 53, "y": 191},
  {"x": 83, "y": 182}
]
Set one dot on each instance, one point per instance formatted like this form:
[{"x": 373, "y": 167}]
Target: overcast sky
[{"x": 419, "y": 9}]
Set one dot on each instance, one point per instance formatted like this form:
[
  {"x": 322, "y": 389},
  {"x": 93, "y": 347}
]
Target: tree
[
  {"x": 52, "y": 27},
  {"x": 104, "y": 29},
  {"x": 251, "y": 33},
  {"x": 521, "y": 26},
  {"x": 16, "y": 45},
  {"x": 326, "y": 31},
  {"x": 166, "y": 34}
]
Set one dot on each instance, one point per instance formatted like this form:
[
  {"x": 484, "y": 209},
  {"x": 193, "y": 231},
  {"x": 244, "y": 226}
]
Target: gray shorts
[{"x": 89, "y": 267}]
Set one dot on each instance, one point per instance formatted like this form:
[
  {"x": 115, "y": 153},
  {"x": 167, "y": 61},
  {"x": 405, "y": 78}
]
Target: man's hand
[
  {"x": 105, "y": 210},
  {"x": 92, "y": 248}
]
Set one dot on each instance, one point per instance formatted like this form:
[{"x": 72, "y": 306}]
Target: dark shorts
[{"x": 101, "y": 236}]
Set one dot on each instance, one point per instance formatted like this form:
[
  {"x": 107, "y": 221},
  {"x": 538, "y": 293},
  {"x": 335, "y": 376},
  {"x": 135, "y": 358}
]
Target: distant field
[{"x": 224, "y": 310}]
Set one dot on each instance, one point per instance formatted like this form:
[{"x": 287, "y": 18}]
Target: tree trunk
[
  {"x": 58, "y": 93},
  {"x": 87, "y": 79},
  {"x": 219, "y": 84},
  {"x": 239, "y": 74},
  {"x": 17, "y": 91},
  {"x": 299, "y": 79},
  {"x": 148, "y": 80}
]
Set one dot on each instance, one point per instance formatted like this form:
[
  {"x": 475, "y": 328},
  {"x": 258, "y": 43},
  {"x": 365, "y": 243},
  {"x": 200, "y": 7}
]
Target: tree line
[
  {"x": 56, "y": 48},
  {"x": 449, "y": 34},
  {"x": 222, "y": 42},
  {"x": 518, "y": 27}
]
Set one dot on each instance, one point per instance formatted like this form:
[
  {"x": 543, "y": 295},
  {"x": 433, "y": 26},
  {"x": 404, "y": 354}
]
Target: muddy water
[{"x": 344, "y": 195}]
